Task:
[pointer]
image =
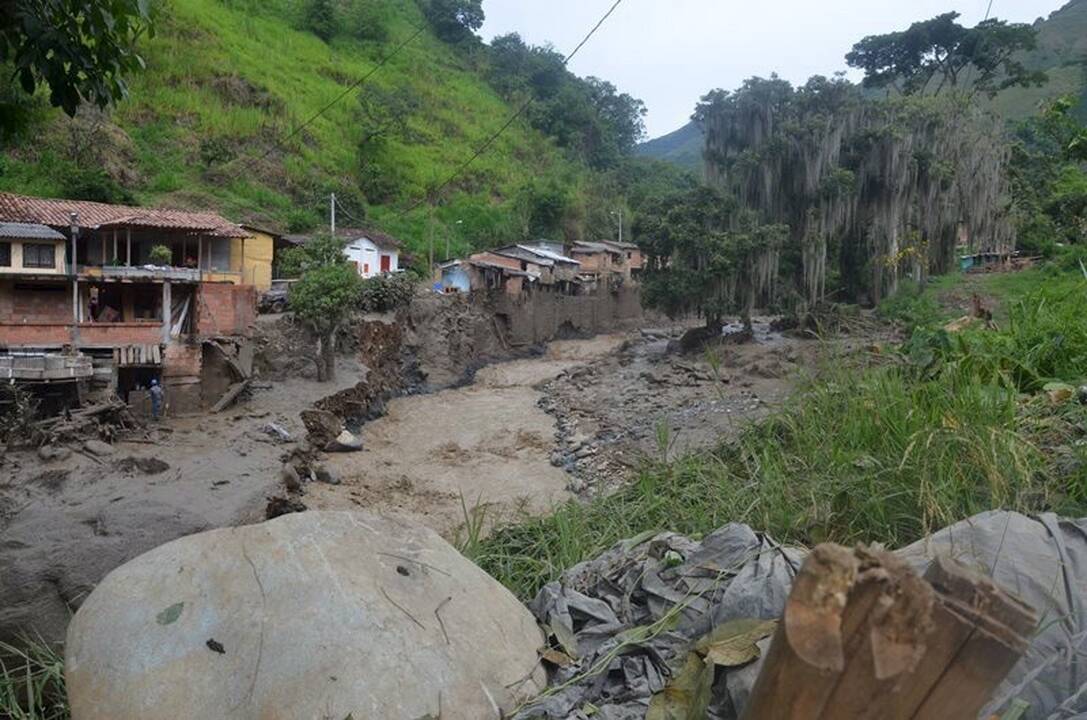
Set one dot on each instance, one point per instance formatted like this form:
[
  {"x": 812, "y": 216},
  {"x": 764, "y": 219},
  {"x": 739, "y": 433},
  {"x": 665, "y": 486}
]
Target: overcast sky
[{"x": 671, "y": 52}]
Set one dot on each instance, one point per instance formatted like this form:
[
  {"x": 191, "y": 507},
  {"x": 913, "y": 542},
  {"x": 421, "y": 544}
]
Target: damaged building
[{"x": 135, "y": 290}]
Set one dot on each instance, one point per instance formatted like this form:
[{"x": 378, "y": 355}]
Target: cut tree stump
[{"x": 864, "y": 637}]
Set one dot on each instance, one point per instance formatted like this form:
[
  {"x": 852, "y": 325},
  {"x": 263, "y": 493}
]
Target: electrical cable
[{"x": 512, "y": 119}]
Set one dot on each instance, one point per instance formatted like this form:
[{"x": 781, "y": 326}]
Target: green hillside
[
  {"x": 227, "y": 79},
  {"x": 682, "y": 147},
  {"x": 1062, "y": 54}
]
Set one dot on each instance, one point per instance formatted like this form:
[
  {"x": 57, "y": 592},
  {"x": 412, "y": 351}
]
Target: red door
[{"x": 386, "y": 263}]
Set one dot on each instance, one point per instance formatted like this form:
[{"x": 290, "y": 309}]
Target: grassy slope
[
  {"x": 1061, "y": 53},
  {"x": 186, "y": 95}
]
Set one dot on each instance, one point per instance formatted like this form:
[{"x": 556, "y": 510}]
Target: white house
[{"x": 372, "y": 252}]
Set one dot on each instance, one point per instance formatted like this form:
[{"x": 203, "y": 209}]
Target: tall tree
[
  {"x": 707, "y": 256},
  {"x": 324, "y": 297},
  {"x": 80, "y": 50},
  {"x": 940, "y": 54},
  {"x": 455, "y": 20}
]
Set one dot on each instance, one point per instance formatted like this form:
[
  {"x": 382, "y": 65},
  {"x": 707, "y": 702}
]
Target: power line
[
  {"x": 351, "y": 88},
  {"x": 512, "y": 119}
]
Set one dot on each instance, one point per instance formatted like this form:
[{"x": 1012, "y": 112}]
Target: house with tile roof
[{"x": 117, "y": 281}]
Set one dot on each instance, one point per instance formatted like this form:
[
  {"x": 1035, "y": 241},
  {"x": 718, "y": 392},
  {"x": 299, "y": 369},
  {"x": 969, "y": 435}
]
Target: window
[
  {"x": 39, "y": 255},
  {"x": 5, "y": 254}
]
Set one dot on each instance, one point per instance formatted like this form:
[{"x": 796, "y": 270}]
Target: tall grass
[
  {"x": 32, "y": 682},
  {"x": 884, "y": 454}
]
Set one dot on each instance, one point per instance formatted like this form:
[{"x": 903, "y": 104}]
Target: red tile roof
[{"x": 57, "y": 214}]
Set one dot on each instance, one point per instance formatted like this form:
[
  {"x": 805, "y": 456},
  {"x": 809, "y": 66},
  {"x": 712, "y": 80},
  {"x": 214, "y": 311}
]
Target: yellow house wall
[
  {"x": 257, "y": 263},
  {"x": 17, "y": 268}
]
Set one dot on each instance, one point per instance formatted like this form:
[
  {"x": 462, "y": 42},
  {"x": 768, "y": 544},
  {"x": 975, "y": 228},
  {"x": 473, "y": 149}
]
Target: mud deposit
[
  {"x": 530, "y": 433},
  {"x": 489, "y": 443}
]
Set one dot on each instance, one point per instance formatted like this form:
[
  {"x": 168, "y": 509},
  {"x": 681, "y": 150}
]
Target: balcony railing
[{"x": 141, "y": 272}]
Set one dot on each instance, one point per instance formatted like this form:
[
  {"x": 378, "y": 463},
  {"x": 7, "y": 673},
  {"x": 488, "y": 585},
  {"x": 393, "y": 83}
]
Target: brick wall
[
  {"x": 17, "y": 334},
  {"x": 35, "y": 302},
  {"x": 114, "y": 334},
  {"x": 224, "y": 309},
  {"x": 182, "y": 360}
]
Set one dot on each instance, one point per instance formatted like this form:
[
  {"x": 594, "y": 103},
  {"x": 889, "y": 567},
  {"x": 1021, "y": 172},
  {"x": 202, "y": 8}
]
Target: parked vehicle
[{"x": 276, "y": 298}]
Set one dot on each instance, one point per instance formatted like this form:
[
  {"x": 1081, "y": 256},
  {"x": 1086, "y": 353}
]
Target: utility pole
[
  {"x": 620, "y": 225},
  {"x": 431, "y": 223},
  {"x": 332, "y": 203},
  {"x": 74, "y": 228}
]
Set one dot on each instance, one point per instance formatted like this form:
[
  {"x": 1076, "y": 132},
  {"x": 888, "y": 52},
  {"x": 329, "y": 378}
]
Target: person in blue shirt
[{"x": 157, "y": 396}]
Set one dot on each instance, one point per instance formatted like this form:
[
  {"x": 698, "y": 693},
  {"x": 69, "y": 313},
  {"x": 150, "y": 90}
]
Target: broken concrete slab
[{"x": 406, "y": 628}]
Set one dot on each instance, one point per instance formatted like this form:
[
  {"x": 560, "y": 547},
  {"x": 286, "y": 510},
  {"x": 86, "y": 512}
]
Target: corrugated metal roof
[
  {"x": 591, "y": 247},
  {"x": 57, "y": 214},
  {"x": 28, "y": 231},
  {"x": 544, "y": 252}
]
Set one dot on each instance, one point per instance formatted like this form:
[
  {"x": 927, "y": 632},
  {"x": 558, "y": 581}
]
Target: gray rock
[
  {"x": 98, "y": 448},
  {"x": 349, "y": 614},
  {"x": 276, "y": 432},
  {"x": 291, "y": 479},
  {"x": 323, "y": 474},
  {"x": 346, "y": 441},
  {"x": 53, "y": 453}
]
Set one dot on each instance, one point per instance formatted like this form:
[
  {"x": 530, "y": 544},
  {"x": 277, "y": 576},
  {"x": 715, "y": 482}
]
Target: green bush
[
  {"x": 160, "y": 255},
  {"x": 320, "y": 19},
  {"x": 386, "y": 293},
  {"x": 93, "y": 183},
  {"x": 365, "y": 21}
]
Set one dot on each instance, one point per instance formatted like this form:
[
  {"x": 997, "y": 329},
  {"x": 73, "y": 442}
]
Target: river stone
[{"x": 330, "y": 615}]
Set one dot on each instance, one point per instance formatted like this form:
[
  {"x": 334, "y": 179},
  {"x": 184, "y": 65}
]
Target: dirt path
[{"x": 488, "y": 443}]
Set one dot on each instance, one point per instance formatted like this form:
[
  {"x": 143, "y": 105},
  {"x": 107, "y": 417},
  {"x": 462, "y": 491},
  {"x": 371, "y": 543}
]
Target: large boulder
[{"x": 329, "y": 615}]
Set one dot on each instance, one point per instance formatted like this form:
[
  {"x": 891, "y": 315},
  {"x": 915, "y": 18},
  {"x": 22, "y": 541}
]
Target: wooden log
[
  {"x": 884, "y": 645},
  {"x": 806, "y": 655},
  {"x": 864, "y": 638},
  {"x": 229, "y": 396},
  {"x": 995, "y": 628}
]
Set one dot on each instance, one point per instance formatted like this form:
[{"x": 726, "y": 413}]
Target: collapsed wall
[{"x": 439, "y": 341}]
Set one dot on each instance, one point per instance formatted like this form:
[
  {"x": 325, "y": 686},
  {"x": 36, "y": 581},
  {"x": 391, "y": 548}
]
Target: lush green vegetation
[
  {"x": 879, "y": 450},
  {"x": 227, "y": 80},
  {"x": 1050, "y": 179}
]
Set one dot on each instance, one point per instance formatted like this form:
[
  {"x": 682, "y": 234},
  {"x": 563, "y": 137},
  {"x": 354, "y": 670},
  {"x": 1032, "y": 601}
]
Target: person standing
[{"x": 157, "y": 397}]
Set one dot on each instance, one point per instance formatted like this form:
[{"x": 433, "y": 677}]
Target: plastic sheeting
[{"x": 629, "y": 617}]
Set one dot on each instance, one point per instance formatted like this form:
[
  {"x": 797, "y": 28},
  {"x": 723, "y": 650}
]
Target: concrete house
[
  {"x": 598, "y": 259},
  {"x": 80, "y": 276},
  {"x": 631, "y": 261},
  {"x": 371, "y": 251}
]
